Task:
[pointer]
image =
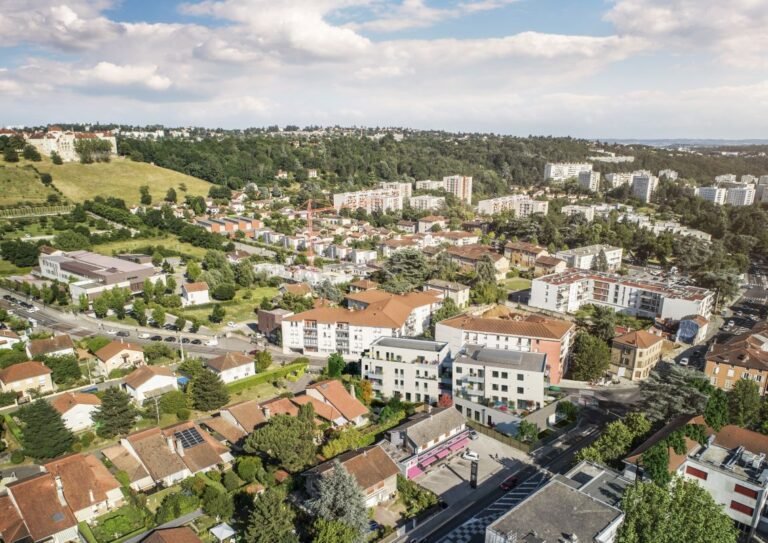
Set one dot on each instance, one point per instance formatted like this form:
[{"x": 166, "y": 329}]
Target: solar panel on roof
[{"x": 189, "y": 437}]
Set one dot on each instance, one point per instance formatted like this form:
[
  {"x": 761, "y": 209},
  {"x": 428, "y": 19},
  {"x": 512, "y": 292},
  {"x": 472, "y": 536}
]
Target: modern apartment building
[
  {"x": 566, "y": 292},
  {"x": 669, "y": 174},
  {"x": 489, "y": 380},
  {"x": 388, "y": 196},
  {"x": 744, "y": 356},
  {"x": 410, "y": 369},
  {"x": 589, "y": 180},
  {"x": 726, "y": 178},
  {"x": 427, "y": 202},
  {"x": 429, "y": 184},
  {"x": 740, "y": 196},
  {"x": 350, "y": 332},
  {"x": 643, "y": 185},
  {"x": 521, "y": 205},
  {"x": 588, "y": 212},
  {"x": 560, "y": 171},
  {"x": 460, "y": 186},
  {"x": 91, "y": 274},
  {"x": 616, "y": 180},
  {"x": 600, "y": 257},
  {"x": 501, "y": 329},
  {"x": 635, "y": 354},
  {"x": 716, "y": 195}
]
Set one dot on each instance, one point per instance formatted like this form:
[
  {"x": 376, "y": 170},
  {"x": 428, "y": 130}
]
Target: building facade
[
  {"x": 635, "y": 354},
  {"x": 593, "y": 257}
]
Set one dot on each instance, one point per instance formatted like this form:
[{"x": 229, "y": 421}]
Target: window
[
  {"x": 458, "y": 369},
  {"x": 521, "y": 377},
  {"x": 745, "y": 375},
  {"x": 494, "y": 387},
  {"x": 744, "y": 491},
  {"x": 504, "y": 388},
  {"x": 495, "y": 374},
  {"x": 504, "y": 375},
  {"x": 730, "y": 372},
  {"x": 701, "y": 474},
  {"x": 741, "y": 508},
  {"x": 520, "y": 390},
  {"x": 758, "y": 378}
]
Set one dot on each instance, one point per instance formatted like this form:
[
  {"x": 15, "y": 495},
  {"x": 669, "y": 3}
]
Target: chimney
[
  {"x": 91, "y": 497},
  {"x": 266, "y": 412},
  {"x": 179, "y": 448},
  {"x": 351, "y": 390},
  {"x": 169, "y": 441},
  {"x": 60, "y": 491}
]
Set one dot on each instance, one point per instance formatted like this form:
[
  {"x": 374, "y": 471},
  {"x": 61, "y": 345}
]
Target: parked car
[
  {"x": 185, "y": 340},
  {"x": 123, "y": 333},
  {"x": 144, "y": 335},
  {"x": 473, "y": 434},
  {"x": 196, "y": 342},
  {"x": 509, "y": 483},
  {"x": 156, "y": 338},
  {"x": 111, "y": 332},
  {"x": 683, "y": 361},
  {"x": 470, "y": 455},
  {"x": 169, "y": 339}
]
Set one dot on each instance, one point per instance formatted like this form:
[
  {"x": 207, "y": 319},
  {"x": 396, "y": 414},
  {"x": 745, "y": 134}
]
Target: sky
[{"x": 584, "y": 68}]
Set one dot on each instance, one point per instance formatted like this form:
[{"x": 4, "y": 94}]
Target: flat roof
[
  {"x": 413, "y": 344},
  {"x": 480, "y": 356},
  {"x": 588, "y": 250}
]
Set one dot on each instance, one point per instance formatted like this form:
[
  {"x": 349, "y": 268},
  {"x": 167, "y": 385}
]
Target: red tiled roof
[
  {"x": 142, "y": 374},
  {"x": 38, "y": 502},
  {"x": 114, "y": 347},
  {"x": 84, "y": 478},
  {"x": 64, "y": 402},
  {"x": 338, "y": 396},
  {"x": 23, "y": 370},
  {"x": 228, "y": 361}
]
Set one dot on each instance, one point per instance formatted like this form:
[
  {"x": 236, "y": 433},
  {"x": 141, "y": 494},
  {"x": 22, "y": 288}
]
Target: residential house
[
  {"x": 450, "y": 289},
  {"x": 373, "y": 470},
  {"x": 430, "y": 221},
  {"x": 546, "y": 265},
  {"x": 523, "y": 255},
  {"x": 118, "y": 355},
  {"x": 235, "y": 257},
  {"x": 635, "y": 354},
  {"x": 195, "y": 294},
  {"x": 421, "y": 305},
  {"x": 40, "y": 504},
  {"x": 363, "y": 285},
  {"x": 182, "y": 534},
  {"x": 426, "y": 438},
  {"x": 149, "y": 382},
  {"x": 409, "y": 227},
  {"x": 9, "y": 338},
  {"x": 744, "y": 356},
  {"x": 471, "y": 255},
  {"x": 692, "y": 330},
  {"x": 76, "y": 409},
  {"x": 128, "y": 462},
  {"x": 55, "y": 346},
  {"x": 26, "y": 377},
  {"x": 333, "y": 393},
  {"x": 298, "y": 289},
  {"x": 232, "y": 366},
  {"x": 500, "y": 328}
]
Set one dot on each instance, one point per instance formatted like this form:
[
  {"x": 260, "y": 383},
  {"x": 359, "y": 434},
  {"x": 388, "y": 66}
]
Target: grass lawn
[
  {"x": 121, "y": 178},
  {"x": 118, "y": 523},
  {"x": 19, "y": 184},
  {"x": 34, "y": 229},
  {"x": 169, "y": 241},
  {"x": 154, "y": 500},
  {"x": 517, "y": 283},
  {"x": 6, "y": 268},
  {"x": 238, "y": 310},
  {"x": 262, "y": 391}
]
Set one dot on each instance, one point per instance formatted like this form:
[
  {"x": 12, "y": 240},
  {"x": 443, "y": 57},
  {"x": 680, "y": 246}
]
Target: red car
[{"x": 509, "y": 483}]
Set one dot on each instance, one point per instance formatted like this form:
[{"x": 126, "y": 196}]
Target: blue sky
[{"x": 587, "y": 68}]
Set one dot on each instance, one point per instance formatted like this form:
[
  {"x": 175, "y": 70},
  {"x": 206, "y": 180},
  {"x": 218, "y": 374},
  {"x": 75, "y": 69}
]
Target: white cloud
[{"x": 126, "y": 75}]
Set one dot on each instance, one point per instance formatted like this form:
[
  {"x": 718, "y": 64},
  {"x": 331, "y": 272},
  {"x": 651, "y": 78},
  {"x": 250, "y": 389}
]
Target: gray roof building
[{"x": 480, "y": 356}]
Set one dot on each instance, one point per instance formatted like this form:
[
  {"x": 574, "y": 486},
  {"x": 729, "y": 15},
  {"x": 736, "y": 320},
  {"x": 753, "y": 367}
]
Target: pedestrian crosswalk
[{"x": 477, "y": 524}]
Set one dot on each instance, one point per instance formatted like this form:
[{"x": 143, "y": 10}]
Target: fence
[
  {"x": 503, "y": 438},
  {"x": 36, "y": 211}
]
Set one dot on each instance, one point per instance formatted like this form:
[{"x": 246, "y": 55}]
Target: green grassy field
[
  {"x": 238, "y": 310},
  {"x": 6, "y": 268},
  {"x": 120, "y": 178},
  {"x": 169, "y": 242},
  {"x": 18, "y": 184},
  {"x": 517, "y": 283}
]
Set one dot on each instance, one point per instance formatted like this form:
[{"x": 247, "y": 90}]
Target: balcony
[
  {"x": 472, "y": 378},
  {"x": 375, "y": 375}
]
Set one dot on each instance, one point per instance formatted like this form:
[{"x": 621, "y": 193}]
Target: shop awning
[
  {"x": 460, "y": 444},
  {"x": 445, "y": 452},
  {"x": 427, "y": 461}
]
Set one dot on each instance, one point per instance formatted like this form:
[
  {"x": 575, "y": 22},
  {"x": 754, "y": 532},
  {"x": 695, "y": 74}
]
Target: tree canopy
[{"x": 43, "y": 431}]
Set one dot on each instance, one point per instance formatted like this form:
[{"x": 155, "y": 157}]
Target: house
[
  {"x": 373, "y": 470},
  {"x": 545, "y": 265},
  {"x": 9, "y": 338},
  {"x": 744, "y": 356},
  {"x": 425, "y": 438},
  {"x": 635, "y": 354},
  {"x": 118, "y": 355},
  {"x": 332, "y": 392},
  {"x": 430, "y": 221},
  {"x": 523, "y": 255},
  {"x": 26, "y": 377},
  {"x": 692, "y": 330},
  {"x": 76, "y": 409},
  {"x": 182, "y": 534},
  {"x": 149, "y": 382},
  {"x": 450, "y": 289},
  {"x": 12, "y": 526},
  {"x": 40, "y": 504},
  {"x": 90, "y": 490},
  {"x": 127, "y": 462},
  {"x": 235, "y": 257},
  {"x": 232, "y": 366},
  {"x": 469, "y": 256},
  {"x": 409, "y": 227},
  {"x": 324, "y": 412},
  {"x": 298, "y": 289},
  {"x": 195, "y": 294},
  {"x": 363, "y": 285},
  {"x": 55, "y": 346}
]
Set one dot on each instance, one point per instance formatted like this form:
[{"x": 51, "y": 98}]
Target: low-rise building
[
  {"x": 426, "y": 224},
  {"x": 450, "y": 289},
  {"x": 488, "y": 383},
  {"x": 271, "y": 320},
  {"x": 232, "y": 366},
  {"x": 744, "y": 356},
  {"x": 25, "y": 378},
  {"x": 333, "y": 393},
  {"x": 692, "y": 330},
  {"x": 469, "y": 256},
  {"x": 406, "y": 368},
  {"x": 54, "y": 346},
  {"x": 9, "y": 338},
  {"x": 118, "y": 355},
  {"x": 427, "y": 202},
  {"x": 373, "y": 470},
  {"x": 76, "y": 409},
  {"x": 588, "y": 212},
  {"x": 147, "y": 382},
  {"x": 43, "y": 514},
  {"x": 635, "y": 354},
  {"x": 546, "y": 265},
  {"x": 593, "y": 257},
  {"x": 523, "y": 255},
  {"x": 195, "y": 294}
]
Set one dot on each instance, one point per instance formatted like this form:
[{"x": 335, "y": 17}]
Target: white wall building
[
  {"x": 195, "y": 294},
  {"x": 590, "y": 180},
  {"x": 616, "y": 180},
  {"x": 460, "y": 186},
  {"x": 76, "y": 409},
  {"x": 232, "y": 366},
  {"x": 740, "y": 196},
  {"x": 407, "y": 368},
  {"x": 643, "y": 185},
  {"x": 64, "y": 142},
  {"x": 427, "y": 202},
  {"x": 429, "y": 184},
  {"x": 588, "y": 258},
  {"x": 715, "y": 195},
  {"x": 669, "y": 174},
  {"x": 148, "y": 382},
  {"x": 726, "y": 178},
  {"x": 521, "y": 205},
  {"x": 560, "y": 171},
  {"x": 588, "y": 212}
]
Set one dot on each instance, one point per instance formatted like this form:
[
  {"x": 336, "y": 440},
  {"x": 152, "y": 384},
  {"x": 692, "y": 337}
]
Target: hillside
[
  {"x": 19, "y": 184},
  {"x": 120, "y": 178}
]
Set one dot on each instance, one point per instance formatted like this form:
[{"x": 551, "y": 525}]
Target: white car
[
  {"x": 683, "y": 361},
  {"x": 111, "y": 332},
  {"x": 145, "y": 335},
  {"x": 231, "y": 324},
  {"x": 470, "y": 455}
]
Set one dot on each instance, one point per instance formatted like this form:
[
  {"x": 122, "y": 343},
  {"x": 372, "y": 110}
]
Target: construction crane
[{"x": 310, "y": 213}]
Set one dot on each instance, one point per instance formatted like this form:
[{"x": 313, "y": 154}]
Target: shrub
[
  {"x": 225, "y": 291},
  {"x": 17, "y": 457},
  {"x": 183, "y": 414},
  {"x": 77, "y": 446},
  {"x": 87, "y": 438},
  {"x": 214, "y": 476},
  {"x": 231, "y": 481}
]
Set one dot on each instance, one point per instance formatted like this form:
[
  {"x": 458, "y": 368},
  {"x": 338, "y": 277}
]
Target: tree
[
  {"x": 716, "y": 414},
  {"x": 527, "y": 431},
  {"x": 83, "y": 304},
  {"x": 617, "y": 439},
  {"x": 287, "y": 440},
  {"x": 447, "y": 310},
  {"x": 116, "y": 415},
  {"x": 603, "y": 323},
  {"x": 250, "y": 468},
  {"x": 10, "y": 155},
  {"x": 329, "y": 291},
  {"x": 71, "y": 241},
  {"x": 43, "y": 432},
  {"x": 140, "y": 311},
  {"x": 100, "y": 307},
  {"x": 217, "y": 504},
  {"x": 333, "y": 531},
  {"x": 224, "y": 291},
  {"x": 271, "y": 520},
  {"x": 158, "y": 315},
  {"x": 56, "y": 158},
  {"x": 339, "y": 498},
  {"x": 170, "y": 196},
  {"x": 174, "y": 506},
  {"x": 244, "y": 275},
  {"x": 263, "y": 361},
  {"x": 591, "y": 358},
  {"x": 409, "y": 266},
  {"x": 365, "y": 391},
  {"x": 181, "y": 322},
  {"x": 218, "y": 314},
  {"x": 684, "y": 512},
  {"x": 170, "y": 284},
  {"x": 744, "y": 403},
  {"x": 30, "y": 153},
  {"x": 671, "y": 390},
  {"x": 65, "y": 368},
  {"x": 193, "y": 270},
  {"x": 146, "y": 197},
  {"x": 174, "y": 401},
  {"x": 208, "y": 391},
  {"x": 336, "y": 365}
]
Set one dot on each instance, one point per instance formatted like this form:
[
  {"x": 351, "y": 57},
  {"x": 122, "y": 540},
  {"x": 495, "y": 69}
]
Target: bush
[
  {"x": 183, "y": 414},
  {"x": 250, "y": 468},
  {"x": 87, "y": 438},
  {"x": 77, "y": 447},
  {"x": 225, "y": 291},
  {"x": 17, "y": 457},
  {"x": 231, "y": 481},
  {"x": 7, "y": 398},
  {"x": 214, "y": 476}
]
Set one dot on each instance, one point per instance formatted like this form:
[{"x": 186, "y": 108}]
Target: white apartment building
[
  {"x": 715, "y": 195},
  {"x": 669, "y": 174},
  {"x": 566, "y": 292},
  {"x": 590, "y": 180},
  {"x": 616, "y": 180},
  {"x": 643, "y": 185},
  {"x": 588, "y": 212},
  {"x": 522, "y": 205},
  {"x": 410, "y": 369},
  {"x": 460, "y": 186},
  {"x": 560, "y": 171},
  {"x": 588, "y": 258},
  {"x": 740, "y": 196},
  {"x": 427, "y": 202},
  {"x": 404, "y": 189},
  {"x": 499, "y": 379},
  {"x": 63, "y": 142},
  {"x": 726, "y": 178},
  {"x": 429, "y": 184},
  {"x": 612, "y": 158},
  {"x": 388, "y": 196},
  {"x": 326, "y": 330},
  {"x": 748, "y": 179}
]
